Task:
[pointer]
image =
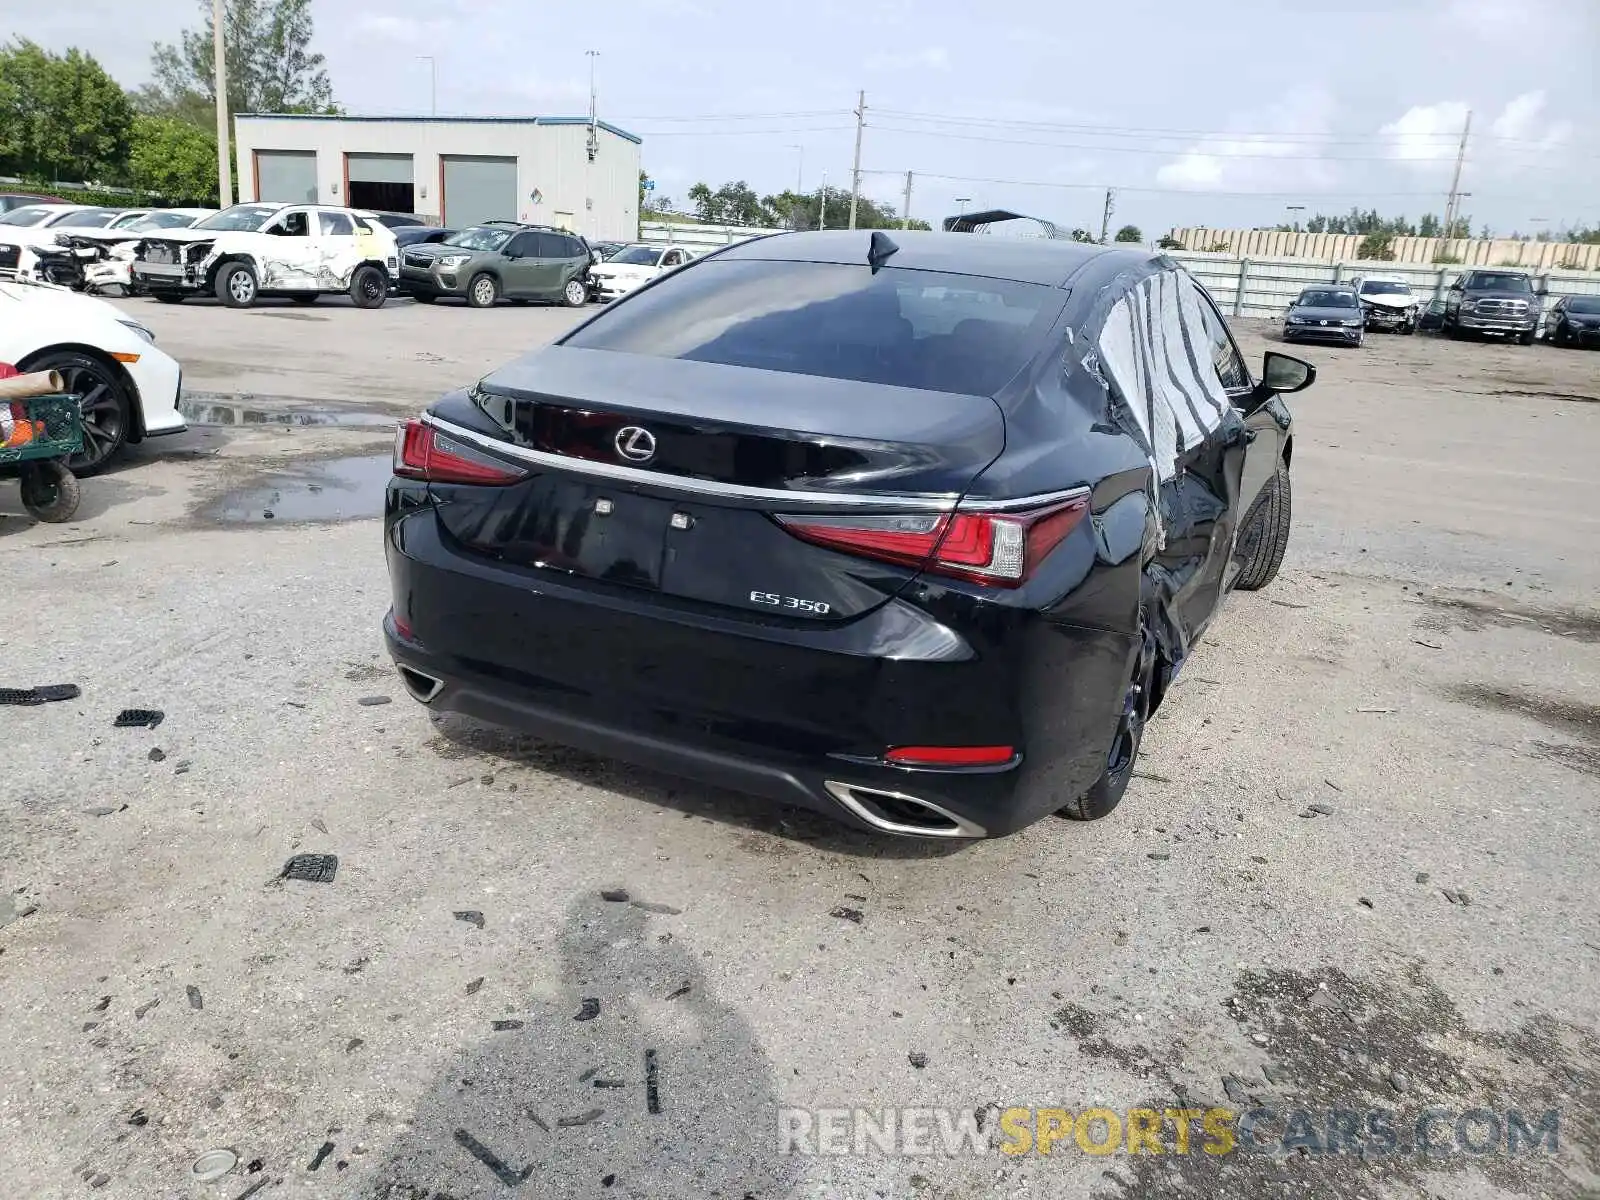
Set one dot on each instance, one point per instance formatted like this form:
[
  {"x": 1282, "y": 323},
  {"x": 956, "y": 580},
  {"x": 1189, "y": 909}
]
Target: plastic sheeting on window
[{"x": 1199, "y": 345}]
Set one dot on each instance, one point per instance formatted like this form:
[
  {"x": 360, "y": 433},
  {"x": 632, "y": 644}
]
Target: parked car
[
  {"x": 11, "y": 200},
  {"x": 302, "y": 251},
  {"x": 1325, "y": 314},
  {"x": 98, "y": 260},
  {"x": 1387, "y": 303},
  {"x": 394, "y": 220},
  {"x": 128, "y": 387},
  {"x": 499, "y": 260},
  {"x": 1497, "y": 301},
  {"x": 1574, "y": 321},
  {"x": 634, "y": 266},
  {"x": 897, "y": 527},
  {"x": 37, "y": 224},
  {"x": 1431, "y": 319},
  {"x": 413, "y": 235},
  {"x": 604, "y": 250}
]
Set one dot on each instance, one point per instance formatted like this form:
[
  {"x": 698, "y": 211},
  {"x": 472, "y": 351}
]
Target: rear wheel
[
  {"x": 369, "y": 287},
  {"x": 1265, "y": 534},
  {"x": 236, "y": 285},
  {"x": 50, "y": 491},
  {"x": 576, "y": 294},
  {"x": 103, "y": 398},
  {"x": 1108, "y": 790},
  {"x": 482, "y": 292}
]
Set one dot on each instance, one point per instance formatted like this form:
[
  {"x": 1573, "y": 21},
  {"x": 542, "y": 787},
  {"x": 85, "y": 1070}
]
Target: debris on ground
[
  {"x": 536, "y": 1119},
  {"x": 374, "y": 701},
  {"x": 1377, "y": 710},
  {"x": 588, "y": 1075},
  {"x": 182, "y": 768},
  {"x": 10, "y": 911},
  {"x": 354, "y": 1044},
  {"x": 1364, "y": 902},
  {"x": 138, "y": 1118},
  {"x": 43, "y": 694},
  {"x": 320, "y": 1157},
  {"x": 607, "y": 1180},
  {"x": 667, "y": 909},
  {"x": 474, "y": 985},
  {"x": 652, "y": 1083},
  {"x": 680, "y": 991},
  {"x": 1456, "y": 897},
  {"x": 319, "y": 825},
  {"x": 610, "y": 1084},
  {"x": 1422, "y": 877},
  {"x": 614, "y": 895},
  {"x": 104, "y": 810},
  {"x": 138, "y": 1013},
  {"x": 583, "y": 1118},
  {"x": 311, "y": 868},
  {"x": 139, "y": 718},
  {"x": 588, "y": 1010},
  {"x": 1321, "y": 809},
  {"x": 213, "y": 1165},
  {"x": 1333, "y": 785},
  {"x": 196, "y": 1001},
  {"x": 157, "y": 754},
  {"x": 1429, "y": 645},
  {"x": 1400, "y": 1081},
  {"x": 252, "y": 1189},
  {"x": 493, "y": 1161},
  {"x": 847, "y": 914},
  {"x": 1159, "y": 855},
  {"x": 471, "y": 916},
  {"x": 917, "y": 1059},
  {"x": 506, "y": 1026}
]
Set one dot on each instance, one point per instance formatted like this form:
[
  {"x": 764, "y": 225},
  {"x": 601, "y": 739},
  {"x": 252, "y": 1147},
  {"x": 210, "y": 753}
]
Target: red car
[{"x": 10, "y": 200}]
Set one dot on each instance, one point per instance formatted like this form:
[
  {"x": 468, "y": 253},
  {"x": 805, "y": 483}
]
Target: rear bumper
[{"x": 798, "y": 721}]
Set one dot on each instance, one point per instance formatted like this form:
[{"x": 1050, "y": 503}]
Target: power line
[{"x": 1096, "y": 187}]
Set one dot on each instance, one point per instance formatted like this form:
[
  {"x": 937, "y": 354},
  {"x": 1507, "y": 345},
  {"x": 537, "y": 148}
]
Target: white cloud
[
  {"x": 409, "y": 30},
  {"x": 1425, "y": 134},
  {"x": 1430, "y": 133},
  {"x": 929, "y": 58},
  {"x": 1277, "y": 148}
]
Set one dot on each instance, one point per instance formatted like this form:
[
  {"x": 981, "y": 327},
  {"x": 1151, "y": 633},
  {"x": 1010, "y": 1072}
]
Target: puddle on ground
[
  {"x": 342, "y": 489},
  {"x": 225, "y": 411}
]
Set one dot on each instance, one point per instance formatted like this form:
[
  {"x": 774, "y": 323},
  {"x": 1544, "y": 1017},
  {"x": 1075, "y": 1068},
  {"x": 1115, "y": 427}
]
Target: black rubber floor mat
[
  {"x": 43, "y": 694},
  {"x": 135, "y": 718},
  {"x": 312, "y": 868}
]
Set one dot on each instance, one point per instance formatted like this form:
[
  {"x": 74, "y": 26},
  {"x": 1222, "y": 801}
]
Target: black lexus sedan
[
  {"x": 1574, "y": 321},
  {"x": 1326, "y": 314},
  {"x": 912, "y": 529}
]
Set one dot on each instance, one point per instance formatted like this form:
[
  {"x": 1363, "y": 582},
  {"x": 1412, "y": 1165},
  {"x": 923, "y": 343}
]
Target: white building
[{"x": 455, "y": 170}]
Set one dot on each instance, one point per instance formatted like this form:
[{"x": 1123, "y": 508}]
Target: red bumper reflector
[{"x": 950, "y": 756}]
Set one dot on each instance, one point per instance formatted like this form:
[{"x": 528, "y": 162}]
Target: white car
[
  {"x": 1387, "y": 302},
  {"x": 38, "y": 224},
  {"x": 105, "y": 256},
  {"x": 129, "y": 388},
  {"x": 252, "y": 250},
  {"x": 632, "y": 267}
]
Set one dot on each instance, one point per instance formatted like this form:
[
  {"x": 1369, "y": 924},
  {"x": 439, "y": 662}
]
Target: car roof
[{"x": 1047, "y": 261}]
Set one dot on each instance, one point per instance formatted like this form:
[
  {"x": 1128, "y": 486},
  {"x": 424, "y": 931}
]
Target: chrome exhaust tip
[
  {"x": 423, "y": 688},
  {"x": 900, "y": 814}
]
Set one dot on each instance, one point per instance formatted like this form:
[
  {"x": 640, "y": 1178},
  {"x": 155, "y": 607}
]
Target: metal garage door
[
  {"x": 287, "y": 176},
  {"x": 479, "y": 189},
  {"x": 380, "y": 181}
]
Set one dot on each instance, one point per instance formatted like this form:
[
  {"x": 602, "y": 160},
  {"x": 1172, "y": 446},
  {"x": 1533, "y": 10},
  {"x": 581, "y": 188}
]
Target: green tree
[
  {"x": 60, "y": 114},
  {"x": 1168, "y": 242},
  {"x": 1129, "y": 233},
  {"x": 173, "y": 159},
  {"x": 1376, "y": 246},
  {"x": 271, "y": 67}
]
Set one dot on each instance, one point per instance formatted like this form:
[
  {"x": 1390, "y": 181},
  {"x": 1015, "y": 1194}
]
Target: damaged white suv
[{"x": 252, "y": 250}]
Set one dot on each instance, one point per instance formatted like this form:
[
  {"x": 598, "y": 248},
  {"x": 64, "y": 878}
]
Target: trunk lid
[{"x": 663, "y": 475}]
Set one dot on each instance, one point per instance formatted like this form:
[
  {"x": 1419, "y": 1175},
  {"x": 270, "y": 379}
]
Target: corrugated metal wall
[{"x": 1345, "y": 247}]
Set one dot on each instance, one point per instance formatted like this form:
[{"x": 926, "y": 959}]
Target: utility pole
[
  {"x": 822, "y": 204},
  {"x": 1455, "y": 181},
  {"x": 855, "y": 171},
  {"x": 1105, "y": 218},
  {"x": 905, "y": 212},
  {"x": 224, "y": 166},
  {"x": 800, "y": 171}
]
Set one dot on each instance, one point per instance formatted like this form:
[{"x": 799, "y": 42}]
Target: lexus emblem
[{"x": 635, "y": 444}]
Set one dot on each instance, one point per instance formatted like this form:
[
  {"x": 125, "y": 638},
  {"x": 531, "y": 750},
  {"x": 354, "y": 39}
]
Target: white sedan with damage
[
  {"x": 127, "y": 387},
  {"x": 301, "y": 251},
  {"x": 632, "y": 267}
]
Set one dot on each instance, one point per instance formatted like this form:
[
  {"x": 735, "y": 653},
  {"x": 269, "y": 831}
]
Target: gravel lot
[{"x": 1424, "y": 673}]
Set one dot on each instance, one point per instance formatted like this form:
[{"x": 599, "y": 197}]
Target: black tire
[
  {"x": 306, "y": 297},
  {"x": 575, "y": 294},
  {"x": 1526, "y": 339},
  {"x": 1108, "y": 790},
  {"x": 50, "y": 491},
  {"x": 483, "y": 291},
  {"x": 369, "y": 287},
  {"x": 104, "y": 397},
  {"x": 168, "y": 297},
  {"x": 237, "y": 286},
  {"x": 1265, "y": 534}
]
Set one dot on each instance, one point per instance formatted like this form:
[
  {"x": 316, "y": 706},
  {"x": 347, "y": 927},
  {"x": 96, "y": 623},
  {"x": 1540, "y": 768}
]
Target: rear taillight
[
  {"x": 422, "y": 452},
  {"x": 950, "y": 756},
  {"x": 998, "y": 549}
]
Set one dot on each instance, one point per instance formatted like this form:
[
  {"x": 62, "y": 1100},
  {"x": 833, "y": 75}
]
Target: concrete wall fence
[{"x": 1345, "y": 247}]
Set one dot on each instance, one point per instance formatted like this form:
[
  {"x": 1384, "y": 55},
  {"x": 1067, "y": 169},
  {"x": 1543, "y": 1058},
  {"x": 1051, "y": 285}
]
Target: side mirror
[{"x": 1283, "y": 373}]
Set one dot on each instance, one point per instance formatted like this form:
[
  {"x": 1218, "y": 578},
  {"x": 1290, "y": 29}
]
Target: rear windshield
[
  {"x": 1495, "y": 281},
  {"x": 915, "y": 329},
  {"x": 1327, "y": 300},
  {"x": 1382, "y": 287}
]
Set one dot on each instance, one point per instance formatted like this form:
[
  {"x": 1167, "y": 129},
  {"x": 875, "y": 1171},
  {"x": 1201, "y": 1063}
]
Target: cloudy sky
[{"x": 1218, "y": 114}]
